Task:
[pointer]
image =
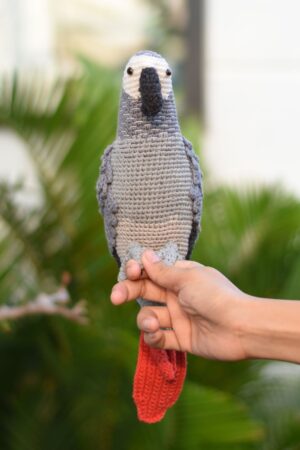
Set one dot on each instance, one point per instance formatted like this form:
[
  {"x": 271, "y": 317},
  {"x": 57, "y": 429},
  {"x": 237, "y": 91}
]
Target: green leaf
[{"x": 210, "y": 419}]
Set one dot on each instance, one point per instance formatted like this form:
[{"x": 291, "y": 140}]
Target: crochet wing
[
  {"x": 107, "y": 204},
  {"x": 196, "y": 194}
]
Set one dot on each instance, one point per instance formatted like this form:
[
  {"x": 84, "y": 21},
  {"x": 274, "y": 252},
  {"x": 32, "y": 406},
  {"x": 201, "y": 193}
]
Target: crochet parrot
[{"x": 150, "y": 195}]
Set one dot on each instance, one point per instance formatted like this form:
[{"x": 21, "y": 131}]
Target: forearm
[{"x": 270, "y": 329}]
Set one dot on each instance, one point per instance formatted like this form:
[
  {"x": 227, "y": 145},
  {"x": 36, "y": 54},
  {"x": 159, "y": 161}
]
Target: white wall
[
  {"x": 26, "y": 43},
  {"x": 253, "y": 91},
  {"x": 44, "y": 36},
  {"x": 26, "y": 38}
]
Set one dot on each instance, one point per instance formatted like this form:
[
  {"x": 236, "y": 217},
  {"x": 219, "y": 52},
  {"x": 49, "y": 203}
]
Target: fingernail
[
  {"x": 148, "y": 324},
  {"x": 115, "y": 295},
  {"x": 151, "y": 256},
  {"x": 129, "y": 264}
]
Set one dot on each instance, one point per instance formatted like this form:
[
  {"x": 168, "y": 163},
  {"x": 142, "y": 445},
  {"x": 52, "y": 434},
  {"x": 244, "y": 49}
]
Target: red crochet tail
[{"x": 158, "y": 381}]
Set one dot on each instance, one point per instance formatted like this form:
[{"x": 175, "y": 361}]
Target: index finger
[
  {"x": 134, "y": 270},
  {"x": 127, "y": 290}
]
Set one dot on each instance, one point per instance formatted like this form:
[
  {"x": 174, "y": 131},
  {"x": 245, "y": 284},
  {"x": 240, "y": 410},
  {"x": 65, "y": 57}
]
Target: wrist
[
  {"x": 239, "y": 324},
  {"x": 255, "y": 329},
  {"x": 243, "y": 326},
  {"x": 268, "y": 329}
]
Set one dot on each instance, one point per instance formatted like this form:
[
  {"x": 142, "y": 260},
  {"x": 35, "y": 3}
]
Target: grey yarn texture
[{"x": 150, "y": 184}]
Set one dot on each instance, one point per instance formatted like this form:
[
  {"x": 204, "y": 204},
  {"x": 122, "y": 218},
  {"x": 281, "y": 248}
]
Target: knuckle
[
  {"x": 147, "y": 312},
  {"x": 162, "y": 269},
  {"x": 143, "y": 289},
  {"x": 211, "y": 270},
  {"x": 199, "y": 271}
]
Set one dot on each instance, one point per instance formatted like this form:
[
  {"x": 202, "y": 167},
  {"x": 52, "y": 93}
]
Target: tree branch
[{"x": 48, "y": 304}]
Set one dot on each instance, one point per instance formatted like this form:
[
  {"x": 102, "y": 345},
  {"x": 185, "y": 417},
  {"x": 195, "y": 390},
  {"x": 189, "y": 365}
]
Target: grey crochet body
[{"x": 149, "y": 189}]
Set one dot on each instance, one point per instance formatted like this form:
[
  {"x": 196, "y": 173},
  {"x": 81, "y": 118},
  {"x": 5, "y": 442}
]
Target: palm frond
[
  {"x": 210, "y": 419},
  {"x": 73, "y": 384}
]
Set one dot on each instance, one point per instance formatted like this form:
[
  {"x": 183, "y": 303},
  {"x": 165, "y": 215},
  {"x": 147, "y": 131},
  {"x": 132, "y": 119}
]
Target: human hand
[{"x": 201, "y": 307}]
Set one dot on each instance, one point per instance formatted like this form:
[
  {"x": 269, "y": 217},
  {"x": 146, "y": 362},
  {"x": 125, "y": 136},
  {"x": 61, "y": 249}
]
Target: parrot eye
[
  {"x": 130, "y": 70},
  {"x": 168, "y": 72}
]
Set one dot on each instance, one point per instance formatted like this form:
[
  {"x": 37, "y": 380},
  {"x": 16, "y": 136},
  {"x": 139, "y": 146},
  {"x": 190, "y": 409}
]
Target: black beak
[{"x": 150, "y": 90}]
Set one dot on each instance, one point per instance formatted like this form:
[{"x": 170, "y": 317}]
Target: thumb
[{"x": 169, "y": 277}]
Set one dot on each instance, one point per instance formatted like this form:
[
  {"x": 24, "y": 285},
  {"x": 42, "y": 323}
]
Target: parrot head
[{"x": 148, "y": 78}]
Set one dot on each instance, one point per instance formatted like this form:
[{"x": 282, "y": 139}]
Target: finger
[
  {"x": 130, "y": 290},
  {"x": 133, "y": 270},
  {"x": 164, "y": 339},
  {"x": 187, "y": 264},
  {"x": 170, "y": 277},
  {"x": 151, "y": 318}
]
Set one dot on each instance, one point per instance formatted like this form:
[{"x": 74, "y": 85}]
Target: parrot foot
[
  {"x": 158, "y": 381},
  {"x": 160, "y": 374},
  {"x": 169, "y": 254}
]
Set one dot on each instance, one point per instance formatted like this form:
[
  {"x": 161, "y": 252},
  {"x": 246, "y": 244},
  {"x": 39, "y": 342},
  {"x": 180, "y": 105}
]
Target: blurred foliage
[
  {"x": 63, "y": 386},
  {"x": 166, "y": 30}
]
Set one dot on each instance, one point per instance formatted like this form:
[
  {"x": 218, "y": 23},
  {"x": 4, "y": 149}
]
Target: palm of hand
[
  {"x": 193, "y": 329},
  {"x": 194, "y": 315}
]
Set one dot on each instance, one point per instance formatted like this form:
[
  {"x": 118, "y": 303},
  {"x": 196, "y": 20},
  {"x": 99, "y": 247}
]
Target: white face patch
[{"x": 131, "y": 83}]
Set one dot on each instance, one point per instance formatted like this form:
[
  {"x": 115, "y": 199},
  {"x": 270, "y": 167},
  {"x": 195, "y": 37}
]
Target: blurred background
[{"x": 66, "y": 384}]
